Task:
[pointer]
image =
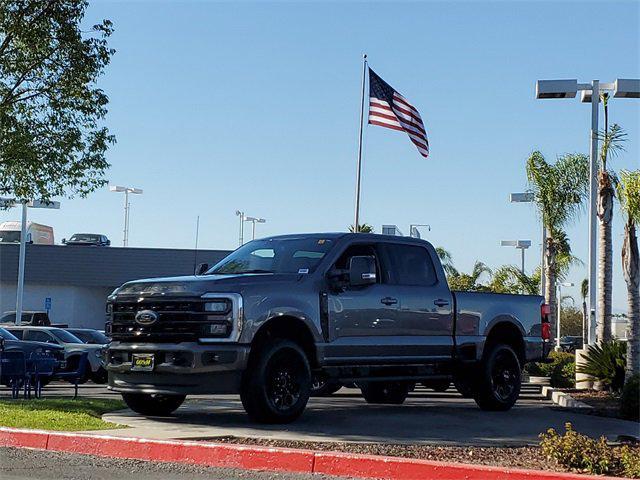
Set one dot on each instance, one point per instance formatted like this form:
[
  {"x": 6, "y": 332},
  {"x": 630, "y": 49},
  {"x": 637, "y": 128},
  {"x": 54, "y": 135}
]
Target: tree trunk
[
  {"x": 631, "y": 271},
  {"x": 585, "y": 323},
  {"x": 605, "y": 260},
  {"x": 550, "y": 284}
]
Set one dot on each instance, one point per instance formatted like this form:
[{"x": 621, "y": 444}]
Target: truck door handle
[
  {"x": 389, "y": 301},
  {"x": 441, "y": 302}
]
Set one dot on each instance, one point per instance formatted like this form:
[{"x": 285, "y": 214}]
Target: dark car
[
  {"x": 88, "y": 240},
  {"x": 12, "y": 343},
  {"x": 571, "y": 343},
  {"x": 32, "y": 318},
  {"x": 90, "y": 336}
]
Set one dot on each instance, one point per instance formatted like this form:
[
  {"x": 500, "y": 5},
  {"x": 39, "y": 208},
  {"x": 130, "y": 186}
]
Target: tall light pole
[
  {"x": 520, "y": 244},
  {"x": 590, "y": 93},
  {"x": 242, "y": 217},
  {"x": 127, "y": 207},
  {"x": 560, "y": 285},
  {"x": 528, "y": 197},
  {"x": 253, "y": 221},
  {"x": 9, "y": 202}
]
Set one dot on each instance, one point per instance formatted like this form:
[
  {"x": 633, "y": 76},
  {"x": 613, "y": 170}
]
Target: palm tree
[
  {"x": 469, "y": 281},
  {"x": 559, "y": 190},
  {"x": 446, "y": 259},
  {"x": 584, "y": 291},
  {"x": 509, "y": 279},
  {"x": 629, "y": 196},
  {"x": 612, "y": 140},
  {"x": 362, "y": 228}
]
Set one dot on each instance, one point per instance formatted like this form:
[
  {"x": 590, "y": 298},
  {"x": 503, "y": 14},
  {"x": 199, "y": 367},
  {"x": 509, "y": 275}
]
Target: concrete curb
[
  {"x": 563, "y": 399},
  {"x": 270, "y": 459}
]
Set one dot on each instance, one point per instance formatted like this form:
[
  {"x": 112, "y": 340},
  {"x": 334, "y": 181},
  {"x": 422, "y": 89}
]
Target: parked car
[
  {"x": 29, "y": 317},
  {"x": 73, "y": 347},
  {"x": 90, "y": 336},
  {"x": 571, "y": 343},
  {"x": 364, "y": 308},
  {"x": 12, "y": 343},
  {"x": 37, "y": 233},
  {"x": 87, "y": 240}
]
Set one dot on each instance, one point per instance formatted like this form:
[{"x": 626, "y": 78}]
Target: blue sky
[{"x": 254, "y": 106}]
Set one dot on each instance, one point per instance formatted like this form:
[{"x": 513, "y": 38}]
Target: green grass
[{"x": 62, "y": 413}]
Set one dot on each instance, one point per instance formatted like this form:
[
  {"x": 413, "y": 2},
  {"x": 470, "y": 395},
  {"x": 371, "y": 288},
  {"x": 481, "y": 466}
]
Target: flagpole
[{"x": 357, "y": 212}]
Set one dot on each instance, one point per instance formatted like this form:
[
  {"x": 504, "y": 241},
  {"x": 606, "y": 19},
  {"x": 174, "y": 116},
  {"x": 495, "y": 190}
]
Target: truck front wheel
[
  {"x": 153, "y": 405},
  {"x": 277, "y": 384},
  {"x": 499, "y": 379},
  {"x": 394, "y": 393}
]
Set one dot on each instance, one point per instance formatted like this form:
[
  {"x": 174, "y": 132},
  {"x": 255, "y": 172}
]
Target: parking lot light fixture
[
  {"x": 253, "y": 221},
  {"x": 590, "y": 93},
  {"x": 528, "y": 197},
  {"x": 520, "y": 244},
  {"x": 127, "y": 207}
]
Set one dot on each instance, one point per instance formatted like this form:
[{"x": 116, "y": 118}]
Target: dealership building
[{"x": 73, "y": 282}]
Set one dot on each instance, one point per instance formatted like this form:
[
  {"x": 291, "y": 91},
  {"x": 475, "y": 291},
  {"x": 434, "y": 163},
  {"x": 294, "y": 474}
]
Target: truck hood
[{"x": 195, "y": 286}]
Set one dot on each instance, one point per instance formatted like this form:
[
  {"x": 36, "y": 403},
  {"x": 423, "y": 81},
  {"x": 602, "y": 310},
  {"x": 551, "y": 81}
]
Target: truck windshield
[
  {"x": 64, "y": 336},
  {"x": 84, "y": 237},
  {"x": 10, "y": 236},
  {"x": 278, "y": 255}
]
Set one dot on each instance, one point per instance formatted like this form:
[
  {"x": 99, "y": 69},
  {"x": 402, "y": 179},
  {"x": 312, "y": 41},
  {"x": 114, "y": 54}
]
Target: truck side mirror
[
  {"x": 202, "y": 268},
  {"x": 108, "y": 243},
  {"x": 362, "y": 271},
  {"x": 64, "y": 241}
]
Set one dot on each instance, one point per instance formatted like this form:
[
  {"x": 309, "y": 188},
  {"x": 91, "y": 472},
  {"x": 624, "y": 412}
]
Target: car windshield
[
  {"x": 10, "y": 236},
  {"x": 91, "y": 336},
  {"x": 275, "y": 255},
  {"x": 64, "y": 336},
  {"x": 7, "y": 335},
  {"x": 84, "y": 237}
]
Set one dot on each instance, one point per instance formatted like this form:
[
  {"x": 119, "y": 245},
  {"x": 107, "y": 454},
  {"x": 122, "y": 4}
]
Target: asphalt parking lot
[{"x": 426, "y": 418}]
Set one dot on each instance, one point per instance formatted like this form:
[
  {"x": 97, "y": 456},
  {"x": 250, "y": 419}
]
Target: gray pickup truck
[{"x": 265, "y": 321}]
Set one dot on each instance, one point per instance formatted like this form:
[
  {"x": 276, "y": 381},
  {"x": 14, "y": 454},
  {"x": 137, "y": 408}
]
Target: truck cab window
[
  {"x": 342, "y": 264},
  {"x": 410, "y": 265}
]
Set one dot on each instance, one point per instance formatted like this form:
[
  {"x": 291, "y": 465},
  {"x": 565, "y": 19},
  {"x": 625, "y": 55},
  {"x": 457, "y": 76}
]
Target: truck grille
[{"x": 178, "y": 321}]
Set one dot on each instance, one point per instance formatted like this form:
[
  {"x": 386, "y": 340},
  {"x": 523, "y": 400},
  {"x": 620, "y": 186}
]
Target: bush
[
  {"x": 630, "y": 402},
  {"x": 561, "y": 369},
  {"x": 630, "y": 461},
  {"x": 606, "y": 363},
  {"x": 578, "y": 452}
]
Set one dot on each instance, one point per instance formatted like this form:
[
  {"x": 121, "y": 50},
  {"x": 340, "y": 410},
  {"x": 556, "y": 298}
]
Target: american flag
[{"x": 387, "y": 108}]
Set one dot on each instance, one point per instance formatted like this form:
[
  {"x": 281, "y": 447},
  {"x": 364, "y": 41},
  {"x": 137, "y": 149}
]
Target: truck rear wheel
[
  {"x": 394, "y": 393},
  {"x": 499, "y": 379},
  {"x": 153, "y": 405},
  {"x": 277, "y": 384}
]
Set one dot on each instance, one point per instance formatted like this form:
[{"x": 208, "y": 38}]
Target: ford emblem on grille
[{"x": 146, "y": 317}]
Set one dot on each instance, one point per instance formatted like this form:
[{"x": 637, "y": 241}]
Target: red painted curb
[{"x": 272, "y": 459}]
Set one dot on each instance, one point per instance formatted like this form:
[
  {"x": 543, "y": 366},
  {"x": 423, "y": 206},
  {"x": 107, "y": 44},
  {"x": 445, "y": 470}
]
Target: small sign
[{"x": 47, "y": 304}]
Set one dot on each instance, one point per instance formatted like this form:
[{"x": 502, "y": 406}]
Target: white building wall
[{"x": 73, "y": 305}]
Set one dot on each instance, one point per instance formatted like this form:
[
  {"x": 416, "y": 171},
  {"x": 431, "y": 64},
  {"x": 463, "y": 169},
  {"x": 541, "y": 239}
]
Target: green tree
[
  {"x": 629, "y": 196},
  {"x": 570, "y": 320},
  {"x": 469, "y": 281},
  {"x": 612, "y": 139},
  {"x": 559, "y": 190},
  {"x": 52, "y": 140},
  {"x": 509, "y": 279},
  {"x": 446, "y": 259},
  {"x": 362, "y": 228}
]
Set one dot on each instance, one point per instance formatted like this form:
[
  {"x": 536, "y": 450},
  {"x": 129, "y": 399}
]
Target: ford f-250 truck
[{"x": 364, "y": 308}]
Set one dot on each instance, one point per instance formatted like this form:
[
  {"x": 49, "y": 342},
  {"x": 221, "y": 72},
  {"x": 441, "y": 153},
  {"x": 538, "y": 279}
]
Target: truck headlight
[{"x": 219, "y": 306}]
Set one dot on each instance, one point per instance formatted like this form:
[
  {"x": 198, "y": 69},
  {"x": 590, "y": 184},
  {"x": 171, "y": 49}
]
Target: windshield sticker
[
  {"x": 321, "y": 242},
  {"x": 303, "y": 270}
]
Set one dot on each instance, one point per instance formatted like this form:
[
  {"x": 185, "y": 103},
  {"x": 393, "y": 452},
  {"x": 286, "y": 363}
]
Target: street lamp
[
  {"x": 8, "y": 203},
  {"x": 560, "y": 285},
  {"x": 590, "y": 92},
  {"x": 242, "y": 217},
  {"x": 253, "y": 221},
  {"x": 127, "y": 207},
  {"x": 521, "y": 244},
  {"x": 413, "y": 229},
  {"x": 528, "y": 197}
]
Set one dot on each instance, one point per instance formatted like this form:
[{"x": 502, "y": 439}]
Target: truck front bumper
[{"x": 179, "y": 369}]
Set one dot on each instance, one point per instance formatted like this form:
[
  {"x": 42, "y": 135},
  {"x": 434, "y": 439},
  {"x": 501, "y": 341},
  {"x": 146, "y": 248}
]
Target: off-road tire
[
  {"x": 394, "y": 393},
  {"x": 499, "y": 379},
  {"x": 277, "y": 383},
  {"x": 153, "y": 405}
]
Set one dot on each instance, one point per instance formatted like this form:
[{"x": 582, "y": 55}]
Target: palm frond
[{"x": 628, "y": 189}]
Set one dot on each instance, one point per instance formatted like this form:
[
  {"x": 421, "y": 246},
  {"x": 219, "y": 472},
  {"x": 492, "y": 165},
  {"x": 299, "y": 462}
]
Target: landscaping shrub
[
  {"x": 606, "y": 363},
  {"x": 561, "y": 369},
  {"x": 630, "y": 402},
  {"x": 578, "y": 452},
  {"x": 630, "y": 461}
]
